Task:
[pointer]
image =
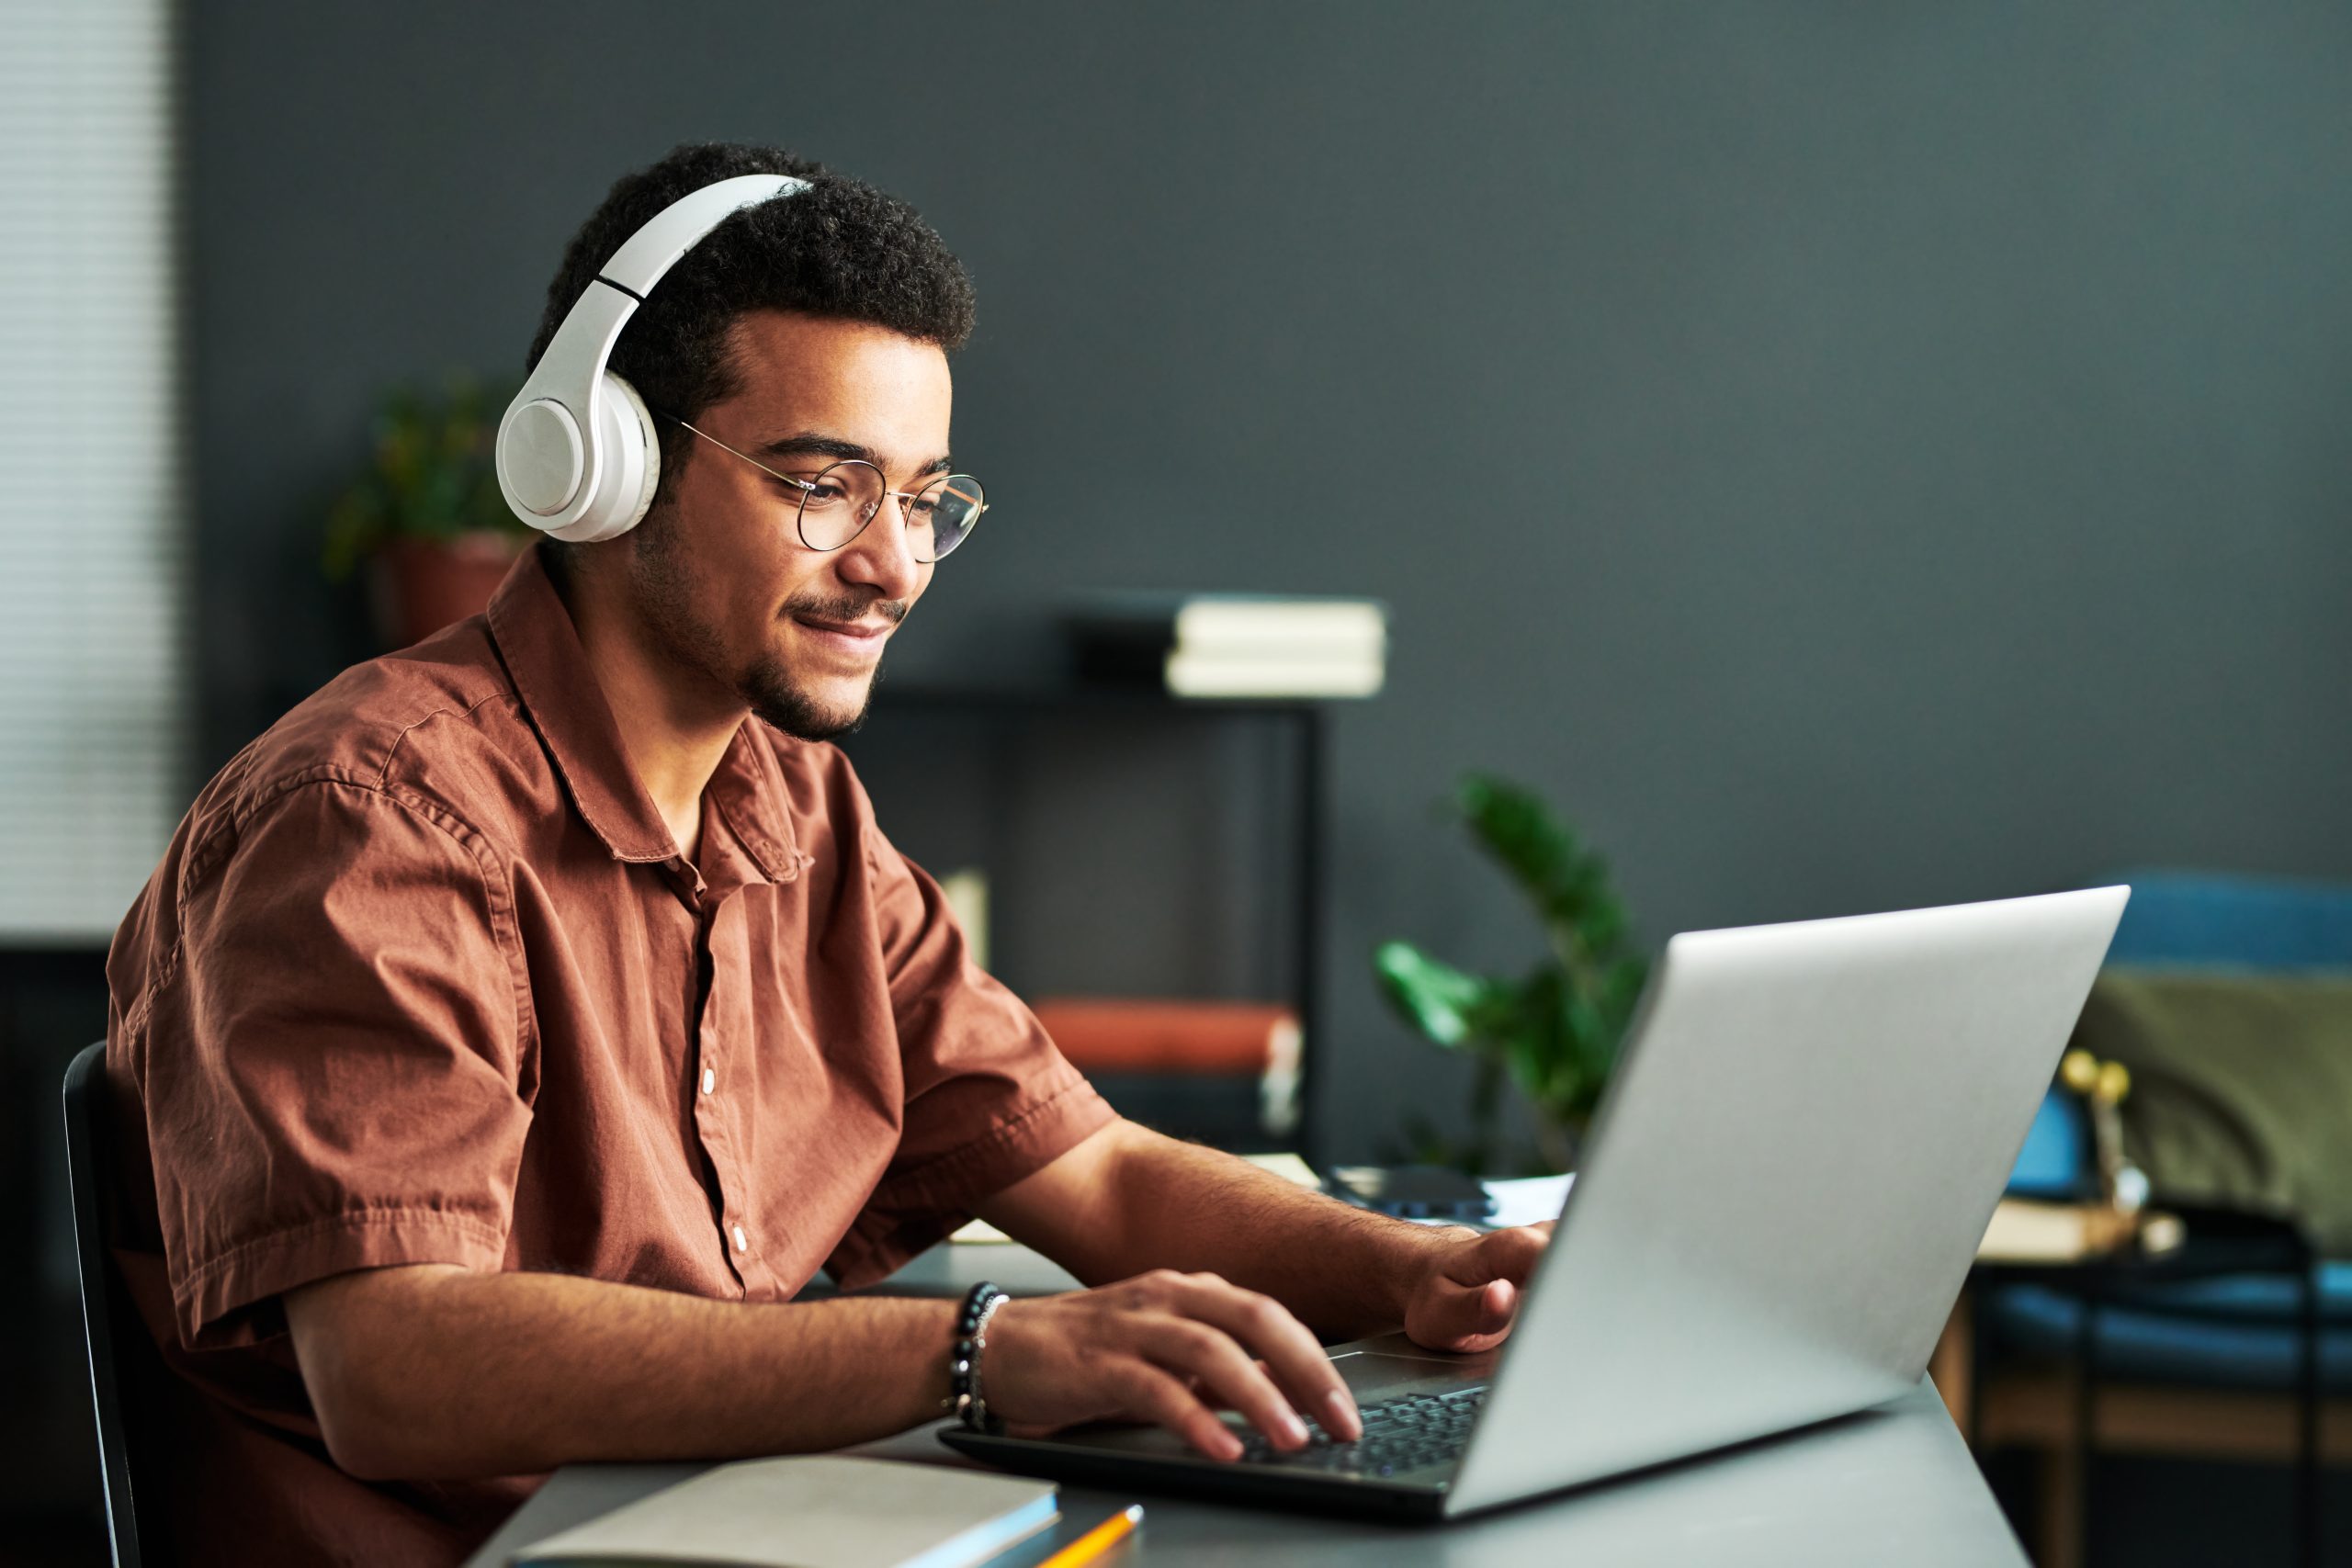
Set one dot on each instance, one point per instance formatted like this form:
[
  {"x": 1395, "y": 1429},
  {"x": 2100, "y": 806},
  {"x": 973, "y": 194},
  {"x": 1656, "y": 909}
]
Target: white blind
[{"x": 91, "y": 540}]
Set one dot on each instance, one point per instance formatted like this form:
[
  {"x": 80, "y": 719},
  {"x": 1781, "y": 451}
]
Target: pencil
[{"x": 1098, "y": 1541}]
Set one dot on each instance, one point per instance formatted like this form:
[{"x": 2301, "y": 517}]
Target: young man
[{"x": 518, "y": 1025}]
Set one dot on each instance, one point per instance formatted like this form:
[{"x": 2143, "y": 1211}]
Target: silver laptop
[{"x": 1786, "y": 1182}]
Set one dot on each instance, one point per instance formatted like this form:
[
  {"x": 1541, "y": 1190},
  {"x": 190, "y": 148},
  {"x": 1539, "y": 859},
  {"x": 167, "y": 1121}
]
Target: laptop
[{"x": 1783, "y": 1190}]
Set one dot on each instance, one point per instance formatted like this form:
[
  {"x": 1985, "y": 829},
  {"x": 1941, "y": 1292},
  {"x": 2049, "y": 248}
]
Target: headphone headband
[{"x": 577, "y": 457}]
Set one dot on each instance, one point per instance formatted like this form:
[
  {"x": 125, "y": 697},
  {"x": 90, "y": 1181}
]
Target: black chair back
[{"x": 117, "y": 1337}]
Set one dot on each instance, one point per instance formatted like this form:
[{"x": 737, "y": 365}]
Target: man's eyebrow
[{"x": 811, "y": 444}]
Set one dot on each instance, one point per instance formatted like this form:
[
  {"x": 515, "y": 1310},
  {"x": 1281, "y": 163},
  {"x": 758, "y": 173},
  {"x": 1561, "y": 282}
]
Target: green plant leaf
[
  {"x": 431, "y": 472},
  {"x": 1512, "y": 825},
  {"x": 1555, "y": 1033},
  {"x": 1444, "y": 1003}
]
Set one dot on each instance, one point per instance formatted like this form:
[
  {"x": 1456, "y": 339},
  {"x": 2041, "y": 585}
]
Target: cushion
[
  {"x": 2241, "y": 1087},
  {"x": 2232, "y": 1331}
]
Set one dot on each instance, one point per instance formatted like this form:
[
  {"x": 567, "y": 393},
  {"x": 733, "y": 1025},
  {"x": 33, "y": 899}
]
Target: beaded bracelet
[{"x": 965, "y": 1400}]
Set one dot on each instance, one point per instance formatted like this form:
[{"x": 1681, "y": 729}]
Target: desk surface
[
  {"x": 952, "y": 1269},
  {"x": 1893, "y": 1485}
]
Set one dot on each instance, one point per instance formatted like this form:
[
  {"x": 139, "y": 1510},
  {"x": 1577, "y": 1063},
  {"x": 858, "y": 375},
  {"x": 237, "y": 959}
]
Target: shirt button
[
  {"x": 742, "y": 1242},
  {"x": 709, "y": 1081}
]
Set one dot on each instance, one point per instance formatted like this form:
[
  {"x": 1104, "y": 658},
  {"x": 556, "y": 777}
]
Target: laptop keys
[{"x": 1400, "y": 1435}]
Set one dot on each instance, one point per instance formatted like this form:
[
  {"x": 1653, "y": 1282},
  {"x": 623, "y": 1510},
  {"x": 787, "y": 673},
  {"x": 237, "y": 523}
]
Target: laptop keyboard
[{"x": 1400, "y": 1435}]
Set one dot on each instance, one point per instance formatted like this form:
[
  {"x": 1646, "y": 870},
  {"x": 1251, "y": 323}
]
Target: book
[
  {"x": 1225, "y": 1073},
  {"x": 815, "y": 1511},
  {"x": 2028, "y": 1230},
  {"x": 1233, "y": 645},
  {"x": 1189, "y": 675},
  {"x": 1234, "y": 622},
  {"x": 1124, "y": 1034}
]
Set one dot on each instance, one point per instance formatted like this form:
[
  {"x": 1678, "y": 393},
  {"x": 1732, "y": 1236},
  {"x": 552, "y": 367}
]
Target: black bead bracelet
[{"x": 965, "y": 1399}]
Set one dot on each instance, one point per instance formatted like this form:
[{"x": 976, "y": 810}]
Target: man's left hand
[{"x": 1468, "y": 1293}]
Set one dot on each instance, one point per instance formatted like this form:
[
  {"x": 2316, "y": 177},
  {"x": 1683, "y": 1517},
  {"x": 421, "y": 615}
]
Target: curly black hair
[{"x": 840, "y": 249}]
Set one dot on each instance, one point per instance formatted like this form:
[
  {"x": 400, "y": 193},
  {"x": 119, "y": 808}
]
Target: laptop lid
[{"x": 1786, "y": 1182}]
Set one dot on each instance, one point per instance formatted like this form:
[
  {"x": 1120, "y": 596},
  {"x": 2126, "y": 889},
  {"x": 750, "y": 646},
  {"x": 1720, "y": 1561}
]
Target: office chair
[{"x": 120, "y": 1351}]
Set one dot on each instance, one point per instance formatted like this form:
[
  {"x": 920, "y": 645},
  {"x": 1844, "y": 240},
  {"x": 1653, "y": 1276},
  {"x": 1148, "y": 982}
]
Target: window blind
[{"x": 92, "y": 554}]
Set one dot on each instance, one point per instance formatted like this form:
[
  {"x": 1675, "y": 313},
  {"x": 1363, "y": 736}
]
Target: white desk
[{"x": 1890, "y": 1485}]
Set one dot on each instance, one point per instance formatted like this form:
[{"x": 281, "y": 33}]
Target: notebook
[{"x": 815, "y": 1511}]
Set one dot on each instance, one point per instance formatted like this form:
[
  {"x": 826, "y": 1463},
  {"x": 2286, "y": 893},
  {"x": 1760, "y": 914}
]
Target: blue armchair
[{"x": 2200, "y": 1368}]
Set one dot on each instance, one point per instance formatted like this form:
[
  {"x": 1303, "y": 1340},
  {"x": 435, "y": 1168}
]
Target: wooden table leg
[
  {"x": 2085, "y": 1434},
  {"x": 2060, "y": 1542},
  {"x": 1953, "y": 1365}
]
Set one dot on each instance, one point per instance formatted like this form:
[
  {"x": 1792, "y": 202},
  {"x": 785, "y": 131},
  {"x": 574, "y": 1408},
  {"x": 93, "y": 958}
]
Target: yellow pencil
[{"x": 1098, "y": 1541}]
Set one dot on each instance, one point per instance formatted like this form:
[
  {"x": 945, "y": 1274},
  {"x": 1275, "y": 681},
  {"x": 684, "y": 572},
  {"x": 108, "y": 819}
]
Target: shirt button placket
[
  {"x": 728, "y": 1194},
  {"x": 718, "y": 1142}
]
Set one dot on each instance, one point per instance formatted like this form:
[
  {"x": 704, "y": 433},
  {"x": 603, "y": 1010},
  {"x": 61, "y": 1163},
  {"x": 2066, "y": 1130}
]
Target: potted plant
[
  {"x": 425, "y": 518},
  {"x": 1554, "y": 1031}
]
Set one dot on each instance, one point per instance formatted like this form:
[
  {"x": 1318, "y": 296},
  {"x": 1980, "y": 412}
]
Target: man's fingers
[
  {"x": 1151, "y": 1395},
  {"x": 1266, "y": 1329},
  {"x": 1507, "y": 1255},
  {"x": 1468, "y": 1317},
  {"x": 1227, "y": 1374}
]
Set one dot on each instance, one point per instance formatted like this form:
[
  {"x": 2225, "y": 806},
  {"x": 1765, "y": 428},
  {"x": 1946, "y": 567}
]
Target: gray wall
[{"x": 1852, "y": 455}]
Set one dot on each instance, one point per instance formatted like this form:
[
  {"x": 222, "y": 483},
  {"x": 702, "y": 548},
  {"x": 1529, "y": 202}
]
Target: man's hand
[
  {"x": 1468, "y": 1294},
  {"x": 1164, "y": 1348}
]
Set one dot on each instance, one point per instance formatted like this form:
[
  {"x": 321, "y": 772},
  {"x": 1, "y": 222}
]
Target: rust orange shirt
[{"x": 423, "y": 979}]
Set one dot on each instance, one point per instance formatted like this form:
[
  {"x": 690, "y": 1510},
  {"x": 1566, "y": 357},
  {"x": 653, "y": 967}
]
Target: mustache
[{"x": 849, "y": 607}]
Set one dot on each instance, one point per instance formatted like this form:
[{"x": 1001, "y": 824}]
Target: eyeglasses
[{"x": 835, "y": 506}]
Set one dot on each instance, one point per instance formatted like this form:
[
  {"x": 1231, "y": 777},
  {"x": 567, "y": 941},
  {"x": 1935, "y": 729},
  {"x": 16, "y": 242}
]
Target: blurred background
[{"x": 1840, "y": 457}]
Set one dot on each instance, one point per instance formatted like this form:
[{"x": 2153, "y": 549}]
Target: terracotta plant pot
[{"x": 418, "y": 586}]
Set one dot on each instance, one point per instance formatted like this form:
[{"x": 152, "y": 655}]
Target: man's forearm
[
  {"x": 1139, "y": 1201},
  {"x": 442, "y": 1373}
]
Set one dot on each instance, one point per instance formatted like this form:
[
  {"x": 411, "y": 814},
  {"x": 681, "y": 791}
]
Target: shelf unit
[{"x": 1040, "y": 764}]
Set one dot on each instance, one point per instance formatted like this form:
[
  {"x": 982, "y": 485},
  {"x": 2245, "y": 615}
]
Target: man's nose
[{"x": 883, "y": 553}]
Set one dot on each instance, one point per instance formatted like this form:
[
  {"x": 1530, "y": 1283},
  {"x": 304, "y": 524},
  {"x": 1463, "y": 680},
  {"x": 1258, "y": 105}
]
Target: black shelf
[{"x": 1008, "y": 715}]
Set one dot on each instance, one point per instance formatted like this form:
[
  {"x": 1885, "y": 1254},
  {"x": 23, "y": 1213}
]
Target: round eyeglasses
[{"x": 834, "y": 506}]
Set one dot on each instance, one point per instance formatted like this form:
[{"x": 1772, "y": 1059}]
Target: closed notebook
[{"x": 815, "y": 1511}]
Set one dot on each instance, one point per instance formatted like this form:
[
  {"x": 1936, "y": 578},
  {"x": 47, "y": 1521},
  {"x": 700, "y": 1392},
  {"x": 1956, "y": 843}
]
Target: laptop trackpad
[{"x": 1374, "y": 1375}]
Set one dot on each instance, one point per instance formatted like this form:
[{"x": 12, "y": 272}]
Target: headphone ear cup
[
  {"x": 631, "y": 469},
  {"x": 626, "y": 494},
  {"x": 645, "y": 446}
]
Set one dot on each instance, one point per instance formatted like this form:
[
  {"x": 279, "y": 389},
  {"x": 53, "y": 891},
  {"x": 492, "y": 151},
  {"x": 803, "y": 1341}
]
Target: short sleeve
[
  {"x": 332, "y": 1074},
  {"x": 990, "y": 1099}
]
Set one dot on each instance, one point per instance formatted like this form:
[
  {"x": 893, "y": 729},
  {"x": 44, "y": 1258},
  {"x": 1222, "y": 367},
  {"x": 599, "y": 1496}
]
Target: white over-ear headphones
[{"x": 577, "y": 455}]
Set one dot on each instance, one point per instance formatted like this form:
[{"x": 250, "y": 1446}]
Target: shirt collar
[
  {"x": 748, "y": 790},
  {"x": 535, "y": 637}
]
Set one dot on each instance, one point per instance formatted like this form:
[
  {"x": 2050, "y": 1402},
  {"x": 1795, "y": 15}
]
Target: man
[{"x": 518, "y": 1024}]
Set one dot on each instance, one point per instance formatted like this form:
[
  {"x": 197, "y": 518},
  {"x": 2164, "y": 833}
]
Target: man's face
[{"x": 718, "y": 571}]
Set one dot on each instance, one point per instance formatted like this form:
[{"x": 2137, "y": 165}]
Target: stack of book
[{"x": 1233, "y": 645}]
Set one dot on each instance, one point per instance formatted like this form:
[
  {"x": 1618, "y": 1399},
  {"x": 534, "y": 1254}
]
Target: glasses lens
[
  {"x": 943, "y": 514},
  {"x": 841, "y": 502}
]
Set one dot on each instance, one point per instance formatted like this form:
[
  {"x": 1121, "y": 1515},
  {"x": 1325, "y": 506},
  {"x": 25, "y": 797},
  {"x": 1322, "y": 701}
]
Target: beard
[
  {"x": 774, "y": 696},
  {"x": 670, "y": 609}
]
